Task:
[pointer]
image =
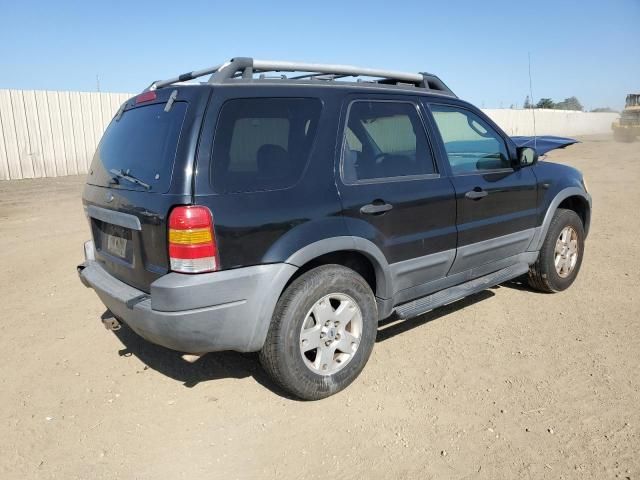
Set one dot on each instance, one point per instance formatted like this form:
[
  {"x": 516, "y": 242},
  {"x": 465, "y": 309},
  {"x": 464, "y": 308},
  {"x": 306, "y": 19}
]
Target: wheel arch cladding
[
  {"x": 350, "y": 252},
  {"x": 581, "y": 206},
  {"x": 571, "y": 198},
  {"x": 352, "y": 259}
]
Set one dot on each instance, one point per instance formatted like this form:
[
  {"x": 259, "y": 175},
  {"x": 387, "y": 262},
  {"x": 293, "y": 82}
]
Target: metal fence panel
[
  {"x": 34, "y": 138},
  {"x": 77, "y": 125},
  {"x": 46, "y": 136},
  {"x": 8, "y": 154},
  {"x": 67, "y": 132},
  {"x": 22, "y": 133},
  {"x": 57, "y": 133},
  {"x": 49, "y": 134}
]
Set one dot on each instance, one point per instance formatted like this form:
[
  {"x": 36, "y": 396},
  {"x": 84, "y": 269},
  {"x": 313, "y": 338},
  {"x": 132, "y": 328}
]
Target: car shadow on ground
[
  {"x": 215, "y": 366},
  {"x": 521, "y": 283}
]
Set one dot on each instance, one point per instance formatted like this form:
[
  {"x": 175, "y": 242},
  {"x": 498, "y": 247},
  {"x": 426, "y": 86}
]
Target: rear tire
[
  {"x": 561, "y": 254},
  {"x": 322, "y": 332}
]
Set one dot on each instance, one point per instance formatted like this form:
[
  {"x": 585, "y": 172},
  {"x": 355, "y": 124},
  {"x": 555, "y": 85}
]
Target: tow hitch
[{"x": 110, "y": 322}]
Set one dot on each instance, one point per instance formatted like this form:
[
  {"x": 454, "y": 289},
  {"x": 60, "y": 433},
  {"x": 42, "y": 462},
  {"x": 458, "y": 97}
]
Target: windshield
[{"x": 142, "y": 144}]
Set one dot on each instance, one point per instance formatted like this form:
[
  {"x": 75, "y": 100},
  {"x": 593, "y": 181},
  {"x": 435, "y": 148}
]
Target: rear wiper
[{"x": 126, "y": 175}]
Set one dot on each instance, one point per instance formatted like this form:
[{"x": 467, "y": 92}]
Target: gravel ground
[{"x": 506, "y": 384}]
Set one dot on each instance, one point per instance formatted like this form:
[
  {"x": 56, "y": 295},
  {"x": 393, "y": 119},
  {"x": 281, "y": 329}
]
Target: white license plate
[{"x": 117, "y": 246}]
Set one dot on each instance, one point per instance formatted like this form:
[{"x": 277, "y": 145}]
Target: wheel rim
[
  {"x": 331, "y": 333},
  {"x": 566, "y": 252}
]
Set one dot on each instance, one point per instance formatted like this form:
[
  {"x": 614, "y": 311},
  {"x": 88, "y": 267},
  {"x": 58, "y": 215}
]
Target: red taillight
[
  {"x": 146, "y": 97},
  {"x": 192, "y": 244}
]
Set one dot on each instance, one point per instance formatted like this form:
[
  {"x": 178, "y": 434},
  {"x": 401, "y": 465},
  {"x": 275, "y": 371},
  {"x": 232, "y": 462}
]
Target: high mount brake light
[
  {"x": 192, "y": 243},
  {"x": 146, "y": 97}
]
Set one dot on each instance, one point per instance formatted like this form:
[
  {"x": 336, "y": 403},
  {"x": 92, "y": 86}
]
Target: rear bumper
[{"x": 228, "y": 310}]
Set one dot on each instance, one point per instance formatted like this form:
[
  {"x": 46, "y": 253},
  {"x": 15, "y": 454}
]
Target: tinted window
[
  {"x": 471, "y": 144},
  {"x": 383, "y": 140},
  {"x": 144, "y": 142},
  {"x": 263, "y": 143}
]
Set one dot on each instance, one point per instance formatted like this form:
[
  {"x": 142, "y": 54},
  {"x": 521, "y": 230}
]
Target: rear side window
[
  {"x": 141, "y": 143},
  {"x": 384, "y": 140},
  {"x": 263, "y": 143}
]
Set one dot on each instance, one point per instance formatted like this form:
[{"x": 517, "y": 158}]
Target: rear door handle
[
  {"x": 376, "y": 208},
  {"x": 476, "y": 194}
]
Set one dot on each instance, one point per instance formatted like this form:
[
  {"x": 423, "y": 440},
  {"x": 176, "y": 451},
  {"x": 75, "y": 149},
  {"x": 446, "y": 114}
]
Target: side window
[
  {"x": 472, "y": 145},
  {"x": 263, "y": 143},
  {"x": 249, "y": 135},
  {"x": 384, "y": 140}
]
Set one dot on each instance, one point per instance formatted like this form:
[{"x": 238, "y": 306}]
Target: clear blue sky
[{"x": 587, "y": 48}]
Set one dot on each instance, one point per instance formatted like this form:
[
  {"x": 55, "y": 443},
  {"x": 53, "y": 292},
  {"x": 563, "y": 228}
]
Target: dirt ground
[{"x": 506, "y": 384}]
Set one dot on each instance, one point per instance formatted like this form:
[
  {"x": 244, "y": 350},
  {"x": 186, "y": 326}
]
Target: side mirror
[{"x": 527, "y": 156}]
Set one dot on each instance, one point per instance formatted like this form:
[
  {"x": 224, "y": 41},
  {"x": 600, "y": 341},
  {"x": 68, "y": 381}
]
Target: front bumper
[{"x": 227, "y": 310}]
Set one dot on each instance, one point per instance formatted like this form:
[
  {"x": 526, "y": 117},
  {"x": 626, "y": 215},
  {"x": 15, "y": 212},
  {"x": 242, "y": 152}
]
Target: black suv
[{"x": 279, "y": 208}]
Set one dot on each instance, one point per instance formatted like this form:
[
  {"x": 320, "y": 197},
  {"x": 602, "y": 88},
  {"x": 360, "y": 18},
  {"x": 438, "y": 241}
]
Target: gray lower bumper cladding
[{"x": 227, "y": 310}]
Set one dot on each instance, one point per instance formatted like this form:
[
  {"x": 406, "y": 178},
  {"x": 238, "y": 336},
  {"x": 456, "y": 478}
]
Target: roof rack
[{"x": 245, "y": 68}]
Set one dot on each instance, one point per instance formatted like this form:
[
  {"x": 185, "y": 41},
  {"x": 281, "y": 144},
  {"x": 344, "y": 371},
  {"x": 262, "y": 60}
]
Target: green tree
[
  {"x": 571, "y": 103},
  {"x": 604, "y": 110},
  {"x": 545, "y": 103},
  {"x": 527, "y": 103}
]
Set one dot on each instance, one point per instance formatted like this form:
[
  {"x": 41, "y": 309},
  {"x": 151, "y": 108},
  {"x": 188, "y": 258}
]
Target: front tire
[
  {"x": 561, "y": 254},
  {"x": 322, "y": 332}
]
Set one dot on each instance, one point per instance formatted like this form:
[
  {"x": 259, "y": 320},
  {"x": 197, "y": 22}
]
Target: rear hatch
[{"x": 141, "y": 169}]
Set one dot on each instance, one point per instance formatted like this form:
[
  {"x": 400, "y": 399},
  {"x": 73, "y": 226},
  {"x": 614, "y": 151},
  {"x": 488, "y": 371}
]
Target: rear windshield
[
  {"x": 141, "y": 144},
  {"x": 263, "y": 143}
]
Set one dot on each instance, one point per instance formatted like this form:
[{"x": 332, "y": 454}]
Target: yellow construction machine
[{"x": 627, "y": 127}]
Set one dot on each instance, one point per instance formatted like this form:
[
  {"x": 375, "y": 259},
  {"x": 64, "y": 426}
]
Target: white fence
[
  {"x": 50, "y": 134},
  {"x": 563, "y": 123}
]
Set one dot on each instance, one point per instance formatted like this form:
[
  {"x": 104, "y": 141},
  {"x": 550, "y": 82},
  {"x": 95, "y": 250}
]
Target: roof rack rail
[{"x": 245, "y": 67}]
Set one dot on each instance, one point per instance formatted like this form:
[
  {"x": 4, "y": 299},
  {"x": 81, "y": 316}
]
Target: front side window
[
  {"x": 472, "y": 145},
  {"x": 384, "y": 140},
  {"x": 263, "y": 143}
]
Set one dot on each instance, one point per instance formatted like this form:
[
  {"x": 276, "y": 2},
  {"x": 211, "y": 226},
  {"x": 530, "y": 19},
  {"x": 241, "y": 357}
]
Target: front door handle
[
  {"x": 476, "y": 194},
  {"x": 375, "y": 208}
]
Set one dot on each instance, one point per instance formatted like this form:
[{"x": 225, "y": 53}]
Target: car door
[
  {"x": 496, "y": 201},
  {"x": 391, "y": 190}
]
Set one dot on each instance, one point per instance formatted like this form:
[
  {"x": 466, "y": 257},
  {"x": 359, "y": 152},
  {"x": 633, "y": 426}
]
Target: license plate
[{"x": 117, "y": 246}]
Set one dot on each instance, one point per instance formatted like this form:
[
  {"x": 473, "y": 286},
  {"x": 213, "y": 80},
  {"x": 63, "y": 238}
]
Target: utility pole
[{"x": 97, "y": 83}]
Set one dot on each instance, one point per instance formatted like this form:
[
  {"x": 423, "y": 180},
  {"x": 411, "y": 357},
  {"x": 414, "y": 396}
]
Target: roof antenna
[{"x": 533, "y": 105}]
